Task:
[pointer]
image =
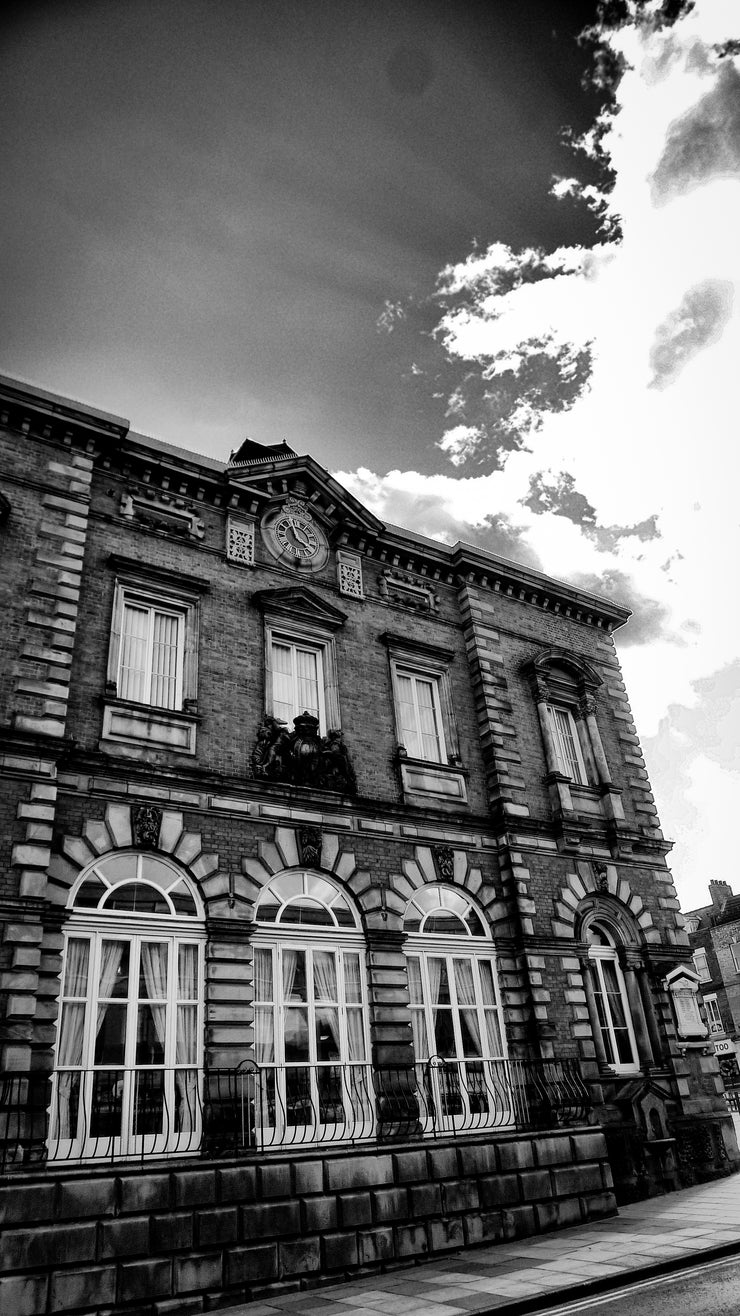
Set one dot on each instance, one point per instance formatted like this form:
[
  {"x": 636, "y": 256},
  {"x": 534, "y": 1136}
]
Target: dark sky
[{"x": 208, "y": 203}]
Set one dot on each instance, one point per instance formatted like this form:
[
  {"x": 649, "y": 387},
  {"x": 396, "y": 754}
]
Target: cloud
[
  {"x": 592, "y": 402},
  {"x": 698, "y": 321}
]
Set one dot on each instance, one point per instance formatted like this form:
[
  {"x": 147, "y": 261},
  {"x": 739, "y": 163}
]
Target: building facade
[
  {"x": 714, "y": 936},
  {"x": 336, "y": 923}
]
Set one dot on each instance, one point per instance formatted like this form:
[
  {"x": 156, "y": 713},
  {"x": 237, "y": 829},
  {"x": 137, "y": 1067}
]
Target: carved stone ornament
[
  {"x": 444, "y": 857},
  {"x": 402, "y": 587},
  {"x": 601, "y": 877},
  {"x": 302, "y": 757},
  {"x": 309, "y": 846},
  {"x": 146, "y": 821},
  {"x": 587, "y": 705}
]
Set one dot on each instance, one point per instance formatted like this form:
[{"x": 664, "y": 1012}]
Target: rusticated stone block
[
  {"x": 477, "y": 1160},
  {"x": 598, "y": 1204},
  {"x": 499, "y": 1190},
  {"x": 219, "y": 1226},
  {"x": 390, "y": 1204},
  {"x": 460, "y": 1195},
  {"x": 518, "y": 1222},
  {"x": 274, "y": 1181},
  {"x": 319, "y": 1214},
  {"x": 553, "y": 1215},
  {"x": 144, "y": 1279},
  {"x": 410, "y": 1166},
  {"x": 425, "y": 1200},
  {"x": 359, "y": 1172},
  {"x": 515, "y": 1155},
  {"x": 340, "y": 1251},
  {"x": 86, "y": 1197},
  {"x": 577, "y": 1179},
  {"x": 23, "y": 1295},
  {"x": 355, "y": 1209},
  {"x": 411, "y": 1240},
  {"x": 193, "y": 1187},
  {"x": 535, "y": 1185},
  {"x": 244, "y": 1265},
  {"x": 172, "y": 1232},
  {"x": 444, "y": 1235},
  {"x": 271, "y": 1220},
  {"x": 237, "y": 1185},
  {"x": 375, "y": 1245},
  {"x": 124, "y": 1237},
  {"x": 308, "y": 1177},
  {"x": 442, "y": 1162},
  {"x": 198, "y": 1273},
  {"x": 552, "y": 1151},
  {"x": 493, "y": 1226},
  {"x": 83, "y": 1288},
  {"x": 589, "y": 1146},
  {"x": 144, "y": 1192},
  {"x": 299, "y": 1258},
  {"x": 27, "y": 1202},
  {"x": 22, "y": 1249}
]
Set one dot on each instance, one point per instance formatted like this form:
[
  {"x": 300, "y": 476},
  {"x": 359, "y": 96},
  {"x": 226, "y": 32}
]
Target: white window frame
[
  {"x": 599, "y": 956},
  {"x": 135, "y": 599},
  {"x": 416, "y": 675},
  {"x": 701, "y": 963},
  {"x": 98, "y": 927},
  {"x": 473, "y": 1077},
  {"x": 305, "y": 637},
  {"x": 714, "y": 1014},
  {"x": 735, "y": 952},
  {"x": 572, "y": 765},
  {"x": 278, "y": 1120}
]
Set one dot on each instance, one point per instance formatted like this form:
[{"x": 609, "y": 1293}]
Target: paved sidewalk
[{"x": 644, "y": 1239}]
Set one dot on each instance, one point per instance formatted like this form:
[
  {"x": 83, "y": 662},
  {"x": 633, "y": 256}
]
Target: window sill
[
  {"x": 157, "y": 728},
  {"x": 423, "y": 781}
]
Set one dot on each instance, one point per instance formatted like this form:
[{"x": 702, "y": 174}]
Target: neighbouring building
[
  {"x": 336, "y": 927},
  {"x": 714, "y": 937}
]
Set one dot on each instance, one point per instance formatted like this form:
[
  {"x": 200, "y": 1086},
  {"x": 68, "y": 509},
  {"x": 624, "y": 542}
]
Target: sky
[{"x": 484, "y": 272}]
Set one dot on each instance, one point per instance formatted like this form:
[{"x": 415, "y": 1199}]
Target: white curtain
[
  {"x": 154, "y": 968},
  {"x": 187, "y": 1079},
  {"x": 71, "y": 1031},
  {"x": 465, "y": 987},
  {"x": 111, "y": 954},
  {"x": 264, "y": 1022},
  {"x": 165, "y": 642},
  {"x": 325, "y": 993}
]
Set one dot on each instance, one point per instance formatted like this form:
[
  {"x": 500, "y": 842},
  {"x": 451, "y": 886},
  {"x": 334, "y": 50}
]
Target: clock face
[
  {"x": 296, "y": 535},
  {"x": 293, "y": 536}
]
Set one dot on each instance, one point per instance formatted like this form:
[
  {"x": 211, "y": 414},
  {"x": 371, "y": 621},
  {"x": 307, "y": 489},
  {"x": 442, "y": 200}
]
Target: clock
[{"x": 294, "y": 537}]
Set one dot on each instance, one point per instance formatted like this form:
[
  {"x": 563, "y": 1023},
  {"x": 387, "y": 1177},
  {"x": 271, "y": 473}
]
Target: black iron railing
[{"x": 119, "y": 1114}]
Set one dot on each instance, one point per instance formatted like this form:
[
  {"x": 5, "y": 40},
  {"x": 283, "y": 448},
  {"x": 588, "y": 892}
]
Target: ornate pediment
[{"x": 298, "y": 603}]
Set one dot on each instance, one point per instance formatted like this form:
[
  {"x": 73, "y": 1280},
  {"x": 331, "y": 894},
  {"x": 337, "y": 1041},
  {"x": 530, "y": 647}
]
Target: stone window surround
[
  {"x": 424, "y": 780},
  {"x": 578, "y": 697},
  {"x": 632, "y": 971},
  {"x": 127, "y": 721}
]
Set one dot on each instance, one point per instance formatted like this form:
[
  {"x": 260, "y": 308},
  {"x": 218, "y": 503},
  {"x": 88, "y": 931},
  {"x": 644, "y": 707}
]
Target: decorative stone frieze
[
  {"x": 349, "y": 574},
  {"x": 240, "y": 542}
]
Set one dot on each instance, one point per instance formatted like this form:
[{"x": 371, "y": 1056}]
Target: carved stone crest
[
  {"x": 146, "y": 820},
  {"x": 302, "y": 757},
  {"x": 601, "y": 877},
  {"x": 309, "y": 846},
  {"x": 444, "y": 857}
]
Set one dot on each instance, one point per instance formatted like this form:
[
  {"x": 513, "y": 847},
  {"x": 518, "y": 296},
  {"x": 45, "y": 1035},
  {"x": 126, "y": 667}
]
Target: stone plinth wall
[{"x": 189, "y": 1237}]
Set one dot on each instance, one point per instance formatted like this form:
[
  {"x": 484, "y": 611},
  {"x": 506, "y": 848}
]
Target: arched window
[
  {"x": 310, "y": 1013},
  {"x": 609, "y": 998},
  {"x": 129, "y": 1040},
  {"x": 455, "y": 1009}
]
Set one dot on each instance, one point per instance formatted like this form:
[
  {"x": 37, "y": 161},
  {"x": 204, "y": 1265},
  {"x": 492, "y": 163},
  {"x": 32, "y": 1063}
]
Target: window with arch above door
[
  {"x": 456, "y": 1019},
  {"x": 310, "y": 1013},
  {"x": 128, "y": 1066}
]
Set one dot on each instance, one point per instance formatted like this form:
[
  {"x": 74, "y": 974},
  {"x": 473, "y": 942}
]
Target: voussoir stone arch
[
  {"x": 422, "y": 870},
  {"x": 283, "y": 852},
  {"x": 121, "y": 829},
  {"x": 599, "y": 880}
]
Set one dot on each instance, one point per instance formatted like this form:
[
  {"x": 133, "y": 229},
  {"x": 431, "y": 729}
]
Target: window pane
[
  {"x": 187, "y": 973},
  {"x": 75, "y": 976},
  {"x": 352, "y": 980},
  {"x": 296, "y": 1034},
  {"x": 282, "y": 682},
  {"x": 327, "y": 1033},
  {"x": 186, "y": 1050},
  {"x": 428, "y": 721},
  {"x": 150, "y": 1034},
  {"x": 414, "y": 971},
  {"x": 324, "y": 976},
  {"x": 307, "y": 682},
  {"x": 165, "y": 660},
  {"x": 133, "y": 676},
  {"x": 111, "y": 1039},
  {"x": 263, "y": 975},
  {"x": 410, "y": 737}
]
